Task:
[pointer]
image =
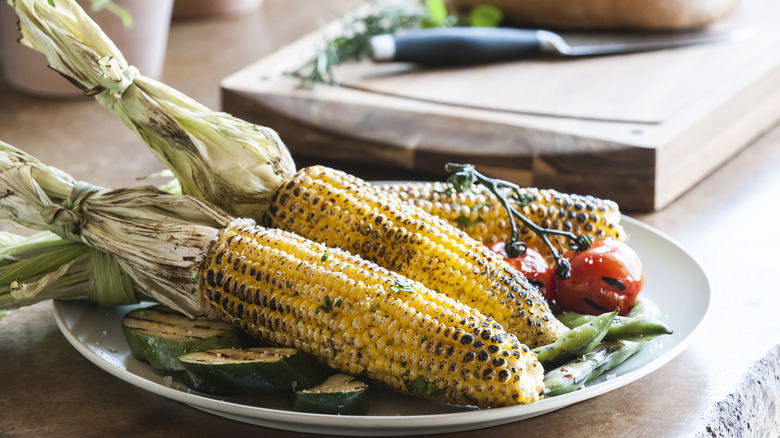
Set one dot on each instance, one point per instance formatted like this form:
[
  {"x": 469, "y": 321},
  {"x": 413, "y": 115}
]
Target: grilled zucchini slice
[
  {"x": 263, "y": 370},
  {"x": 160, "y": 335},
  {"x": 339, "y": 394}
]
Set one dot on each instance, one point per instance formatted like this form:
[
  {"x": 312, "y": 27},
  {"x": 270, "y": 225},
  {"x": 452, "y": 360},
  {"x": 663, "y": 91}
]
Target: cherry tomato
[
  {"x": 607, "y": 275},
  {"x": 533, "y": 265}
]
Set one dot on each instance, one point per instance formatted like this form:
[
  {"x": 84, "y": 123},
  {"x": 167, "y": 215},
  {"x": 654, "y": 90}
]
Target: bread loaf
[{"x": 607, "y": 14}]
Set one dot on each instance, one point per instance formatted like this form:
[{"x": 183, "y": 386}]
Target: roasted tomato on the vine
[
  {"x": 607, "y": 275},
  {"x": 533, "y": 265}
]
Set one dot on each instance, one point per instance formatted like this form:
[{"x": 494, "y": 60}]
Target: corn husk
[
  {"x": 45, "y": 266},
  {"x": 233, "y": 164},
  {"x": 156, "y": 239},
  {"x": 41, "y": 267}
]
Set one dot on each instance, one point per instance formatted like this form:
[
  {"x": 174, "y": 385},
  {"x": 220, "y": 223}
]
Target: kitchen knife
[{"x": 475, "y": 45}]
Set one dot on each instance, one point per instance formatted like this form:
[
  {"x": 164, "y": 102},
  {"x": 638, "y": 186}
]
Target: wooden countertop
[{"x": 728, "y": 375}]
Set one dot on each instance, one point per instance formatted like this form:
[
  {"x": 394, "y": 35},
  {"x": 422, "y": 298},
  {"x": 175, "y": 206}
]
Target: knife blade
[{"x": 476, "y": 45}]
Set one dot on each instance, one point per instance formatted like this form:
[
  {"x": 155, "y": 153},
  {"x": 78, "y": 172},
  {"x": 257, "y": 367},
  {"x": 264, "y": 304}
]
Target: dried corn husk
[
  {"x": 233, "y": 164},
  {"x": 45, "y": 266},
  {"x": 155, "y": 238}
]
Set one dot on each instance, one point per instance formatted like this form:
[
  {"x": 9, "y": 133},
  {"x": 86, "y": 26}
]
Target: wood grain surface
[{"x": 640, "y": 129}]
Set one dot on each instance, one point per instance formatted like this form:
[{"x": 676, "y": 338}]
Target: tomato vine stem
[{"x": 464, "y": 176}]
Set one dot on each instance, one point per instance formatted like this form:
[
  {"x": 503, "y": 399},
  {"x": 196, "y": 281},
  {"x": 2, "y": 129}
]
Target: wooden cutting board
[{"x": 640, "y": 129}]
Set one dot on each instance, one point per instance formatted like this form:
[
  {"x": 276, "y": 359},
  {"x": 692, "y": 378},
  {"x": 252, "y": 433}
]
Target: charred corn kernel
[
  {"x": 405, "y": 239},
  {"x": 278, "y": 287},
  {"x": 479, "y": 213}
]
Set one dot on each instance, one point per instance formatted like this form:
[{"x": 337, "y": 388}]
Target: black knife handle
[{"x": 457, "y": 45}]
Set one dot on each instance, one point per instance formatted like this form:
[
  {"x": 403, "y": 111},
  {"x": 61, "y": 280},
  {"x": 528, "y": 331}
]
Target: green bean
[
  {"x": 573, "y": 319},
  {"x": 640, "y": 324},
  {"x": 646, "y": 308},
  {"x": 575, "y": 374},
  {"x": 637, "y": 329},
  {"x": 623, "y": 328},
  {"x": 575, "y": 342}
]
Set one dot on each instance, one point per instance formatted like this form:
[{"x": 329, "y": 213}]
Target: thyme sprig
[
  {"x": 354, "y": 43},
  {"x": 384, "y": 18},
  {"x": 465, "y": 175}
]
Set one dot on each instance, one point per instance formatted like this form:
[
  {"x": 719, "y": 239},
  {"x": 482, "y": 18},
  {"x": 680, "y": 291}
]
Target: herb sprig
[{"x": 384, "y": 18}]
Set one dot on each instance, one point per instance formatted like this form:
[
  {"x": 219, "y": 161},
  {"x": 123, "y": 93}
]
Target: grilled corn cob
[
  {"x": 479, "y": 213},
  {"x": 362, "y": 319},
  {"x": 348, "y": 312},
  {"x": 187, "y": 137},
  {"x": 343, "y": 211}
]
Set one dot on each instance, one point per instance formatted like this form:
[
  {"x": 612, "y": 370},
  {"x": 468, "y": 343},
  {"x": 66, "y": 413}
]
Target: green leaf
[
  {"x": 328, "y": 307},
  {"x": 524, "y": 199},
  {"x": 446, "y": 191},
  {"x": 485, "y": 16},
  {"x": 464, "y": 221},
  {"x": 439, "y": 392},
  {"x": 123, "y": 14},
  {"x": 420, "y": 385},
  {"x": 127, "y": 19},
  {"x": 437, "y": 12},
  {"x": 401, "y": 286}
]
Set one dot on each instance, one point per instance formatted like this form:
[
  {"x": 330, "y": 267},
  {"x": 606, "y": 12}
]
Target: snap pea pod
[
  {"x": 640, "y": 324},
  {"x": 623, "y": 328},
  {"x": 646, "y": 308},
  {"x": 576, "y": 342},
  {"x": 575, "y": 374},
  {"x": 573, "y": 319}
]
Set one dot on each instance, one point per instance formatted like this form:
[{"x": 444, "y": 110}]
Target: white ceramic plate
[{"x": 675, "y": 282}]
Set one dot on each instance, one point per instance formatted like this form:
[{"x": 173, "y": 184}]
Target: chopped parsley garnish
[
  {"x": 464, "y": 221},
  {"x": 401, "y": 286},
  {"x": 328, "y": 307}
]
